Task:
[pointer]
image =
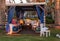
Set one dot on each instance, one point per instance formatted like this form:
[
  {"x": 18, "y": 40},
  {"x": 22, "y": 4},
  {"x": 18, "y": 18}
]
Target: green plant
[{"x": 49, "y": 20}]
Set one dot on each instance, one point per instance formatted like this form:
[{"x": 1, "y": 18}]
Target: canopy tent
[
  {"x": 23, "y": 7},
  {"x": 11, "y": 13}
]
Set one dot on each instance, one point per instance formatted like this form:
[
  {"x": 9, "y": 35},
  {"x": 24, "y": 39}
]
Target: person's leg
[{"x": 11, "y": 26}]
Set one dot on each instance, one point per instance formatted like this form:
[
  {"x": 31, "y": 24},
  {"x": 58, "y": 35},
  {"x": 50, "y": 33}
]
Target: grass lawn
[{"x": 25, "y": 37}]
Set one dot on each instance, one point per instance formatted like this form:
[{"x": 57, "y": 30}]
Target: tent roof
[{"x": 25, "y": 4}]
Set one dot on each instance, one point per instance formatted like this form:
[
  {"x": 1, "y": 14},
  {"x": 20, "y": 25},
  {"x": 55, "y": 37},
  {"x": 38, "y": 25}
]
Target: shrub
[{"x": 49, "y": 20}]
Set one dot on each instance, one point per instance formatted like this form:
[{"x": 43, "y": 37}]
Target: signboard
[
  {"x": 16, "y": 1},
  {"x": 23, "y": 2}
]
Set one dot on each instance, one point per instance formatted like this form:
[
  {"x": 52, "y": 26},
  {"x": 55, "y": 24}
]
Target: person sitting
[
  {"x": 21, "y": 21},
  {"x": 11, "y": 25}
]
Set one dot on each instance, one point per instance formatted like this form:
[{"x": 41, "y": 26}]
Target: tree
[{"x": 2, "y": 12}]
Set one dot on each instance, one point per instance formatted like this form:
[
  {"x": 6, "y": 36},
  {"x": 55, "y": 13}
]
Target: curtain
[
  {"x": 10, "y": 16},
  {"x": 40, "y": 14}
]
